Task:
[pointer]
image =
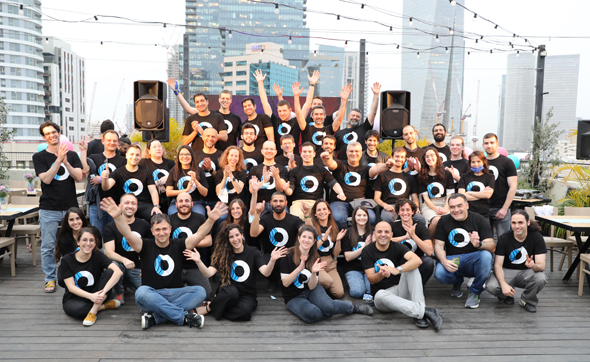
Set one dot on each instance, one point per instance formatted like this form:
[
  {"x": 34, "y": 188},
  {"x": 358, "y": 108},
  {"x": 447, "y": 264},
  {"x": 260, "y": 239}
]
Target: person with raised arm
[
  {"x": 260, "y": 121},
  {"x": 270, "y": 173}
]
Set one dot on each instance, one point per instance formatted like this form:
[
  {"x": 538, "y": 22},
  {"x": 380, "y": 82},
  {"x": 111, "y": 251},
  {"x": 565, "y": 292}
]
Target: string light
[
  {"x": 437, "y": 39},
  {"x": 491, "y": 53},
  {"x": 398, "y": 46},
  {"x": 230, "y": 35},
  {"x": 447, "y": 50},
  {"x": 21, "y": 9},
  {"x": 474, "y": 16},
  {"x": 411, "y": 22},
  {"x": 95, "y": 17},
  {"x": 496, "y": 27},
  {"x": 315, "y": 53},
  {"x": 362, "y": 6},
  {"x": 164, "y": 25},
  {"x": 277, "y": 9},
  {"x": 46, "y": 40},
  {"x": 100, "y": 43},
  {"x": 453, "y": 2},
  {"x": 367, "y": 53},
  {"x": 476, "y": 41},
  {"x": 518, "y": 53},
  {"x": 345, "y": 42},
  {"x": 391, "y": 28},
  {"x": 290, "y": 41},
  {"x": 451, "y": 31},
  {"x": 418, "y": 55},
  {"x": 468, "y": 53},
  {"x": 337, "y": 17}
]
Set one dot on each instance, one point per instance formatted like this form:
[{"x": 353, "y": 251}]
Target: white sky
[{"x": 541, "y": 21}]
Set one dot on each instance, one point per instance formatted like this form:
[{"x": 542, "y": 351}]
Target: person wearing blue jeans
[
  {"x": 464, "y": 245},
  {"x": 163, "y": 296},
  {"x": 95, "y": 220},
  {"x": 59, "y": 170},
  {"x": 342, "y": 210}
]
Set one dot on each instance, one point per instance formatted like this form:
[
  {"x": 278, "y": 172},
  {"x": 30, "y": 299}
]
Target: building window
[
  {"x": 242, "y": 62},
  {"x": 241, "y": 82},
  {"x": 242, "y": 93},
  {"x": 71, "y": 128},
  {"x": 228, "y": 74},
  {"x": 228, "y": 83},
  {"x": 67, "y": 109},
  {"x": 228, "y": 64},
  {"x": 242, "y": 72},
  {"x": 67, "y": 100}
]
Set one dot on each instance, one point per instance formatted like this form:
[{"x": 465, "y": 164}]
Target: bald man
[{"x": 272, "y": 175}]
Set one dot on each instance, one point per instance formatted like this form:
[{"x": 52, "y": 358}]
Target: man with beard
[
  {"x": 272, "y": 176},
  {"x": 208, "y": 160},
  {"x": 261, "y": 122},
  {"x": 371, "y": 157},
  {"x": 328, "y": 147},
  {"x": 252, "y": 155},
  {"x": 357, "y": 129},
  {"x": 232, "y": 121},
  {"x": 414, "y": 152},
  {"x": 439, "y": 132},
  {"x": 200, "y": 121},
  {"x": 183, "y": 224}
]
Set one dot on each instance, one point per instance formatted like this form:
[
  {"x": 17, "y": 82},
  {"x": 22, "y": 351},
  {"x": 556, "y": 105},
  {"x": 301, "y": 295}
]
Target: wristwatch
[
  {"x": 401, "y": 270},
  {"x": 158, "y": 206}
]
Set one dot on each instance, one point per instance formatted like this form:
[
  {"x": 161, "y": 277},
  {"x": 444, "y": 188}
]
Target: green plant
[
  {"x": 5, "y": 135},
  {"x": 386, "y": 145},
  {"x": 171, "y": 147},
  {"x": 580, "y": 196}
]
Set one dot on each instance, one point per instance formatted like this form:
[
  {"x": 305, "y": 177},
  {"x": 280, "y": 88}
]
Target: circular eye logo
[
  {"x": 357, "y": 247},
  {"x": 270, "y": 185},
  {"x": 475, "y": 186},
  {"x": 411, "y": 244},
  {"x": 284, "y": 128},
  {"x": 208, "y": 174},
  {"x": 164, "y": 265},
  {"x": 518, "y": 256},
  {"x": 204, "y": 126},
  {"x": 318, "y": 137},
  {"x": 350, "y": 137},
  {"x": 104, "y": 165},
  {"x": 133, "y": 186},
  {"x": 125, "y": 243},
  {"x": 435, "y": 190},
  {"x": 443, "y": 157},
  {"x": 383, "y": 261},
  {"x": 327, "y": 245},
  {"x": 279, "y": 237},
  {"x": 302, "y": 278},
  {"x": 314, "y": 184},
  {"x": 494, "y": 170},
  {"x": 183, "y": 182},
  {"x": 371, "y": 165},
  {"x": 230, "y": 127},
  {"x": 181, "y": 232},
  {"x": 159, "y": 173},
  {"x": 249, "y": 163},
  {"x": 64, "y": 173},
  {"x": 81, "y": 276},
  {"x": 459, "y": 237},
  {"x": 397, "y": 186},
  {"x": 240, "y": 267},
  {"x": 352, "y": 179}
]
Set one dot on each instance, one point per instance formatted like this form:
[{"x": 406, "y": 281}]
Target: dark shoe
[
  {"x": 431, "y": 315},
  {"x": 509, "y": 300},
  {"x": 421, "y": 323},
  {"x": 194, "y": 320},
  {"x": 271, "y": 287},
  {"x": 456, "y": 291},
  {"x": 528, "y": 307},
  {"x": 472, "y": 301},
  {"x": 362, "y": 309},
  {"x": 147, "y": 320}
]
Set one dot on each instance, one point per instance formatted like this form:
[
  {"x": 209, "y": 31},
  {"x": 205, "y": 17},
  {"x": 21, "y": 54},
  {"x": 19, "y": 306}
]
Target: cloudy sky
[{"x": 132, "y": 51}]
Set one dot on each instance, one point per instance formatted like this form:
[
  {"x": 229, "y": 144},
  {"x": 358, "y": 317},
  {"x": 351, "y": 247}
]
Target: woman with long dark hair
[
  {"x": 478, "y": 184},
  {"x": 357, "y": 236},
  {"x": 299, "y": 274},
  {"x": 89, "y": 277},
  {"x": 238, "y": 214},
  {"x": 235, "y": 263},
  {"x": 74, "y": 220},
  {"x": 159, "y": 167},
  {"x": 232, "y": 174},
  {"x": 186, "y": 176}
]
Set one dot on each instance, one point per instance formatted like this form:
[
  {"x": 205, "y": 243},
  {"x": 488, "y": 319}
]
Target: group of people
[{"x": 168, "y": 226}]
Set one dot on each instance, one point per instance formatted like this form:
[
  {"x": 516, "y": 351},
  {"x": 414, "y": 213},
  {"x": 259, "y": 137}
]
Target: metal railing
[{"x": 18, "y": 160}]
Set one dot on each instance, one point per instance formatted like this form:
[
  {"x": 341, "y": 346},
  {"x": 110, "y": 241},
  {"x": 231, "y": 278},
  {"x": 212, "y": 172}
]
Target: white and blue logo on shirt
[
  {"x": 204, "y": 126},
  {"x": 397, "y": 182},
  {"x": 383, "y": 261},
  {"x": 357, "y": 247},
  {"x": 125, "y": 243},
  {"x": 273, "y": 237},
  {"x": 63, "y": 176},
  {"x": 316, "y": 137},
  {"x": 250, "y": 161},
  {"x": 160, "y": 268},
  {"x": 435, "y": 190},
  {"x": 350, "y": 137},
  {"x": 207, "y": 173},
  {"x": 314, "y": 184},
  {"x": 182, "y": 180},
  {"x": 181, "y": 230},
  {"x": 371, "y": 165},
  {"x": 133, "y": 181},
  {"x": 104, "y": 166},
  {"x": 412, "y": 243},
  {"x": 352, "y": 178},
  {"x": 230, "y": 126},
  {"x": 284, "y": 128},
  {"x": 84, "y": 275},
  {"x": 302, "y": 278},
  {"x": 494, "y": 170},
  {"x": 459, "y": 237},
  {"x": 245, "y": 271},
  {"x": 475, "y": 184},
  {"x": 518, "y": 256},
  {"x": 268, "y": 185},
  {"x": 159, "y": 173},
  {"x": 327, "y": 245}
]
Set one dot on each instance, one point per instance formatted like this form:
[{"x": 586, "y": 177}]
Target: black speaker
[
  {"x": 149, "y": 97},
  {"x": 162, "y": 136},
  {"x": 583, "y": 146},
  {"x": 395, "y": 113}
]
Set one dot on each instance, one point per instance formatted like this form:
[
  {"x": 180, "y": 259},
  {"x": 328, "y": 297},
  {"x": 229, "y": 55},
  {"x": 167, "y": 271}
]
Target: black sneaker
[
  {"x": 194, "y": 320},
  {"x": 421, "y": 323},
  {"x": 431, "y": 315},
  {"x": 147, "y": 320},
  {"x": 456, "y": 291},
  {"x": 528, "y": 307},
  {"x": 509, "y": 300},
  {"x": 362, "y": 309}
]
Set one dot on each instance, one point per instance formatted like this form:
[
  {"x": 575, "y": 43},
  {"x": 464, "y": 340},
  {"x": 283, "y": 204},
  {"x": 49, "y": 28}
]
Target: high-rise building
[
  {"x": 250, "y": 22},
  {"x": 427, "y": 76},
  {"x": 350, "y": 75},
  {"x": 561, "y": 88},
  {"x": 501, "y": 102},
  {"x": 65, "y": 94},
  {"x": 175, "y": 71},
  {"x": 328, "y": 60},
  {"x": 21, "y": 67}
]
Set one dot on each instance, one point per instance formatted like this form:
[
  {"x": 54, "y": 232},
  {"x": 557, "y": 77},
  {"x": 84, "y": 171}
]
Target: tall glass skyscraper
[
  {"x": 250, "y": 23},
  {"x": 421, "y": 75}
]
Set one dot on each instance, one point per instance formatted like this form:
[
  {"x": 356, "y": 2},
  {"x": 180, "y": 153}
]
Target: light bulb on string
[
  {"x": 337, "y": 17},
  {"x": 46, "y": 40},
  {"x": 437, "y": 39},
  {"x": 496, "y": 27},
  {"x": 518, "y": 53},
  {"x": 315, "y": 53},
  {"x": 290, "y": 41},
  {"x": 451, "y": 31},
  {"x": 474, "y": 16},
  {"x": 397, "y": 46},
  {"x": 391, "y": 28},
  {"x": 95, "y": 17},
  {"x": 362, "y": 6},
  {"x": 453, "y": 2},
  {"x": 411, "y": 22},
  {"x": 345, "y": 43},
  {"x": 230, "y": 35},
  {"x": 447, "y": 50},
  {"x": 418, "y": 55},
  {"x": 491, "y": 53},
  {"x": 21, "y": 9},
  {"x": 277, "y": 9}
]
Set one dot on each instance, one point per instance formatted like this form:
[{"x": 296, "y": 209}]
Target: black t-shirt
[
  {"x": 327, "y": 247},
  {"x": 60, "y": 194},
  {"x": 86, "y": 274},
  {"x": 418, "y": 152},
  {"x": 351, "y": 134},
  {"x": 353, "y": 180},
  {"x": 162, "y": 267},
  {"x": 444, "y": 152},
  {"x": 515, "y": 252},
  {"x": 421, "y": 232},
  {"x": 436, "y": 188},
  {"x": 244, "y": 268},
  {"x": 209, "y": 174},
  {"x": 470, "y": 182},
  {"x": 284, "y": 161},
  {"x": 315, "y": 135},
  {"x": 133, "y": 182},
  {"x": 372, "y": 161},
  {"x": 232, "y": 123},
  {"x": 212, "y": 120},
  {"x": 327, "y": 121},
  {"x": 269, "y": 186},
  {"x": 158, "y": 170},
  {"x": 307, "y": 182},
  {"x": 261, "y": 122},
  {"x": 278, "y": 233},
  {"x": 95, "y": 146},
  {"x": 181, "y": 183},
  {"x": 182, "y": 229},
  {"x": 282, "y": 128},
  {"x": 455, "y": 233},
  {"x": 393, "y": 256},
  {"x": 460, "y": 167},
  {"x": 113, "y": 163},
  {"x": 67, "y": 244},
  {"x": 231, "y": 191},
  {"x": 252, "y": 158},
  {"x": 501, "y": 167},
  {"x": 346, "y": 244},
  {"x": 395, "y": 185},
  {"x": 299, "y": 285},
  {"x": 139, "y": 227}
]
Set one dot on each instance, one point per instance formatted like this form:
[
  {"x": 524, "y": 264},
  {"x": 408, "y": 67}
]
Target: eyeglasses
[
  {"x": 184, "y": 155},
  {"x": 50, "y": 133}
]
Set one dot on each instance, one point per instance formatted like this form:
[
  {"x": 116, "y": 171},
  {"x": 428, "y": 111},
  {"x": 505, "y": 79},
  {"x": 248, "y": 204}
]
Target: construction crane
[
  {"x": 474, "y": 138},
  {"x": 116, "y": 104},
  {"x": 463, "y": 113},
  {"x": 91, "y": 105},
  {"x": 440, "y": 110}
]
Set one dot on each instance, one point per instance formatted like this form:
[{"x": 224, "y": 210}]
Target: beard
[
  {"x": 439, "y": 137},
  {"x": 354, "y": 122},
  {"x": 278, "y": 209}
]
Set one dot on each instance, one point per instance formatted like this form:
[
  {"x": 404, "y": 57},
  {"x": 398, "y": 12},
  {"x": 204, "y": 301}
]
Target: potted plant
[
  {"x": 3, "y": 195},
  {"x": 30, "y": 177}
]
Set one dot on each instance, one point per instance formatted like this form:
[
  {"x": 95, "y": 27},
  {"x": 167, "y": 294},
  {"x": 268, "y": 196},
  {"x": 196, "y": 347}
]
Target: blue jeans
[
  {"x": 49, "y": 221},
  {"x": 95, "y": 221},
  {"x": 477, "y": 265},
  {"x": 315, "y": 305},
  {"x": 169, "y": 304},
  {"x": 502, "y": 225},
  {"x": 131, "y": 279},
  {"x": 211, "y": 205},
  {"x": 358, "y": 283},
  {"x": 342, "y": 210},
  {"x": 198, "y": 208}
]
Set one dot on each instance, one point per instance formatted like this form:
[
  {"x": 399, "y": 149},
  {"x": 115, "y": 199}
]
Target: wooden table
[
  {"x": 529, "y": 202},
  {"x": 575, "y": 224},
  {"x": 13, "y": 212},
  {"x": 79, "y": 192}
]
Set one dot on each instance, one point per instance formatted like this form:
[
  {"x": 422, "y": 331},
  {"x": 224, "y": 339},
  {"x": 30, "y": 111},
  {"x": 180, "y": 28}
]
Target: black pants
[
  {"x": 232, "y": 305},
  {"x": 426, "y": 268},
  {"x": 144, "y": 210},
  {"x": 79, "y": 307},
  {"x": 193, "y": 276}
]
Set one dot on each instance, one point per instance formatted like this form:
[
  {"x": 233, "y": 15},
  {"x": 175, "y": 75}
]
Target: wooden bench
[{"x": 9, "y": 243}]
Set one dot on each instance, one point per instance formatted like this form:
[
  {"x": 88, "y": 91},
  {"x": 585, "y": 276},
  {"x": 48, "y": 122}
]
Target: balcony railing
[{"x": 18, "y": 160}]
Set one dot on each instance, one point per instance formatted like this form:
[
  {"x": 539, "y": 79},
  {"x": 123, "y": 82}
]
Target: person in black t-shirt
[
  {"x": 252, "y": 154},
  {"x": 72, "y": 223},
  {"x": 357, "y": 237},
  {"x": 120, "y": 252},
  {"x": 371, "y": 157},
  {"x": 478, "y": 184},
  {"x": 392, "y": 270},
  {"x": 260, "y": 121},
  {"x": 299, "y": 275},
  {"x": 270, "y": 174},
  {"x": 198, "y": 122},
  {"x": 88, "y": 276},
  {"x": 457, "y": 164},
  {"x": 414, "y": 152},
  {"x": 235, "y": 262},
  {"x": 96, "y": 145},
  {"x": 59, "y": 170},
  {"x": 519, "y": 263},
  {"x": 232, "y": 175},
  {"x": 232, "y": 121},
  {"x": 160, "y": 168},
  {"x": 187, "y": 176},
  {"x": 463, "y": 245},
  {"x": 287, "y": 157},
  {"x": 185, "y": 223},
  {"x": 162, "y": 296},
  {"x": 208, "y": 161},
  {"x": 439, "y": 132},
  {"x": 413, "y": 234}
]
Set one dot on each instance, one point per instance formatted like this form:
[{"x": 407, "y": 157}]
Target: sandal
[{"x": 50, "y": 287}]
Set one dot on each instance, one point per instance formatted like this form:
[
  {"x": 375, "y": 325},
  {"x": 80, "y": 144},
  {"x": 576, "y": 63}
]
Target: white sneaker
[{"x": 469, "y": 282}]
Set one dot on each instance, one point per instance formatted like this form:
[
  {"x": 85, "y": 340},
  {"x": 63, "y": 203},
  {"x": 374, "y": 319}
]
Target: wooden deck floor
[{"x": 34, "y": 327}]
